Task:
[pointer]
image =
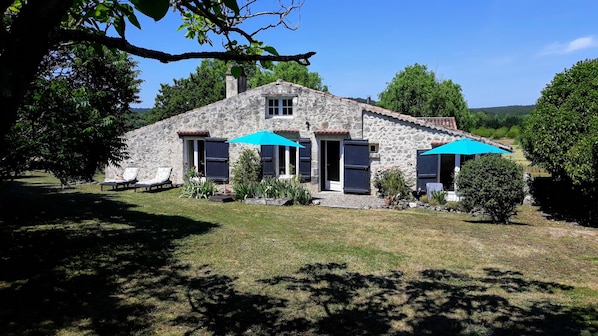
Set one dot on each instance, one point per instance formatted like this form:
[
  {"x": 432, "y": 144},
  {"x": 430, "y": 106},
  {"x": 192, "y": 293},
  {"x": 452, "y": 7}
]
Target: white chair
[
  {"x": 161, "y": 180},
  {"x": 128, "y": 178}
]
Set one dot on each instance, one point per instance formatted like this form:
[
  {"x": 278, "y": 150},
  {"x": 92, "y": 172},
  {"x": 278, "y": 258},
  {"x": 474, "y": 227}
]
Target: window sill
[{"x": 279, "y": 117}]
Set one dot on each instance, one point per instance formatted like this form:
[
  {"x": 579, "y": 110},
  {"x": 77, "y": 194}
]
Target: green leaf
[
  {"x": 156, "y": 9},
  {"x": 128, "y": 11},
  {"x": 16, "y": 6},
  {"x": 271, "y": 50},
  {"x": 236, "y": 71},
  {"x": 98, "y": 48},
  {"x": 267, "y": 64},
  {"x": 133, "y": 19},
  {"x": 101, "y": 12},
  {"x": 119, "y": 25}
]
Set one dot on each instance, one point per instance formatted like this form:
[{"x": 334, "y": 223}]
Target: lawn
[
  {"x": 519, "y": 158},
  {"x": 84, "y": 262}
]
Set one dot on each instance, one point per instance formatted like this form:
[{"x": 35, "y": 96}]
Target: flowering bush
[{"x": 192, "y": 173}]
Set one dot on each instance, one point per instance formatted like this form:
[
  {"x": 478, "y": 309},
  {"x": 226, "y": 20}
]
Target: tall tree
[
  {"x": 417, "y": 92},
  {"x": 561, "y": 133},
  {"x": 208, "y": 85},
  {"x": 30, "y": 29},
  {"x": 290, "y": 72},
  {"x": 73, "y": 116},
  {"x": 205, "y": 86}
]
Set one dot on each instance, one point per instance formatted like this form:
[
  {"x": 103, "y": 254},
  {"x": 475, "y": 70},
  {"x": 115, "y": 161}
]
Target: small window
[
  {"x": 374, "y": 148},
  {"x": 280, "y": 107}
]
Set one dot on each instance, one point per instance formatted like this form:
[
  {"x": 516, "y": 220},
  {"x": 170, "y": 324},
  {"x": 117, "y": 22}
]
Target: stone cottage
[{"x": 345, "y": 142}]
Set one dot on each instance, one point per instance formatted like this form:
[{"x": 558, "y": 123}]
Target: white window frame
[
  {"x": 287, "y": 162},
  {"x": 278, "y": 110},
  {"x": 195, "y": 160}
]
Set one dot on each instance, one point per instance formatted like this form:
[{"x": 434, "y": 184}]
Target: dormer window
[{"x": 279, "y": 107}]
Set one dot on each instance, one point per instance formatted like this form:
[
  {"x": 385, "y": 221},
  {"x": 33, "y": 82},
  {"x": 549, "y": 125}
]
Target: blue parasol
[
  {"x": 265, "y": 137},
  {"x": 466, "y": 146}
]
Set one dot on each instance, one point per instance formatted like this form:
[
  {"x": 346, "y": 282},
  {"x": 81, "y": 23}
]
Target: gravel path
[{"x": 335, "y": 199}]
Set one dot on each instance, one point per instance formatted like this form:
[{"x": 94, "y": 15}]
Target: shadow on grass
[
  {"x": 86, "y": 277},
  {"x": 340, "y": 302},
  {"x": 560, "y": 200},
  {"x": 120, "y": 278},
  {"x": 489, "y": 221}
]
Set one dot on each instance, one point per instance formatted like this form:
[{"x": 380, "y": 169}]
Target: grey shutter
[
  {"x": 427, "y": 170},
  {"x": 217, "y": 159},
  {"x": 267, "y": 154},
  {"x": 357, "y": 167},
  {"x": 305, "y": 160}
]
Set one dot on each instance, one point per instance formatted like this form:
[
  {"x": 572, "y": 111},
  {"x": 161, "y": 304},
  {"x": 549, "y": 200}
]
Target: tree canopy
[
  {"x": 561, "y": 134},
  {"x": 31, "y": 29},
  {"x": 208, "y": 85},
  {"x": 290, "y": 72},
  {"x": 205, "y": 86},
  {"x": 417, "y": 92},
  {"x": 72, "y": 118}
]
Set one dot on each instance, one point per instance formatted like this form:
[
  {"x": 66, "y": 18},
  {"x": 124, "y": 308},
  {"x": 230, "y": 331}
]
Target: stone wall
[
  {"x": 399, "y": 141},
  {"x": 398, "y": 136},
  {"x": 159, "y": 144}
]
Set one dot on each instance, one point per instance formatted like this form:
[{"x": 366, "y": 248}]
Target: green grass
[
  {"x": 519, "y": 158},
  {"x": 83, "y": 262}
]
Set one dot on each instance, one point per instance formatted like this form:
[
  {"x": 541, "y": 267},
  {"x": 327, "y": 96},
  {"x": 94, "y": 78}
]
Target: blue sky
[{"x": 500, "y": 52}]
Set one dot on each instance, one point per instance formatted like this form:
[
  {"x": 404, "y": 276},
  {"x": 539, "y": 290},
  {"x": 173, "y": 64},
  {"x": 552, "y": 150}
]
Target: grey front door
[
  {"x": 427, "y": 169},
  {"x": 305, "y": 159},
  {"x": 356, "y": 167},
  {"x": 216, "y": 159}
]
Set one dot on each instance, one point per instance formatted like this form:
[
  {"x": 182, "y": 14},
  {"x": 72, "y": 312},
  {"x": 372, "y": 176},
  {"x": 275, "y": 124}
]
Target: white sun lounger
[
  {"x": 161, "y": 180},
  {"x": 128, "y": 178}
]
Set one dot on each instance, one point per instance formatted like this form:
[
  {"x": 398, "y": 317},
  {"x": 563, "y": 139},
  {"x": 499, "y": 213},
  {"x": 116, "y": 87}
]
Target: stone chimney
[{"x": 234, "y": 86}]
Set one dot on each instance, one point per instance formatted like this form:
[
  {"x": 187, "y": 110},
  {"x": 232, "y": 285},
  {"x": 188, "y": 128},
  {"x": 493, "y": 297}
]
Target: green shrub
[
  {"x": 456, "y": 206},
  {"x": 500, "y": 133},
  {"x": 248, "y": 167},
  {"x": 513, "y": 132},
  {"x": 245, "y": 190},
  {"x": 391, "y": 184},
  {"x": 483, "y": 132},
  {"x": 439, "y": 196},
  {"x": 196, "y": 188},
  {"x": 492, "y": 184}
]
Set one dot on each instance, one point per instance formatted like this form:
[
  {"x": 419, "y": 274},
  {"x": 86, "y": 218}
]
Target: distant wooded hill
[
  {"x": 505, "y": 110},
  {"x": 139, "y": 110},
  {"x": 515, "y": 110}
]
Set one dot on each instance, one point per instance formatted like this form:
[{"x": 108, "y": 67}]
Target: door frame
[
  {"x": 326, "y": 184},
  {"x": 194, "y": 156}
]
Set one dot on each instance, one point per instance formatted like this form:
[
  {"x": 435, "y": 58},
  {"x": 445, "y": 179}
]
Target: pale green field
[{"x": 519, "y": 158}]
